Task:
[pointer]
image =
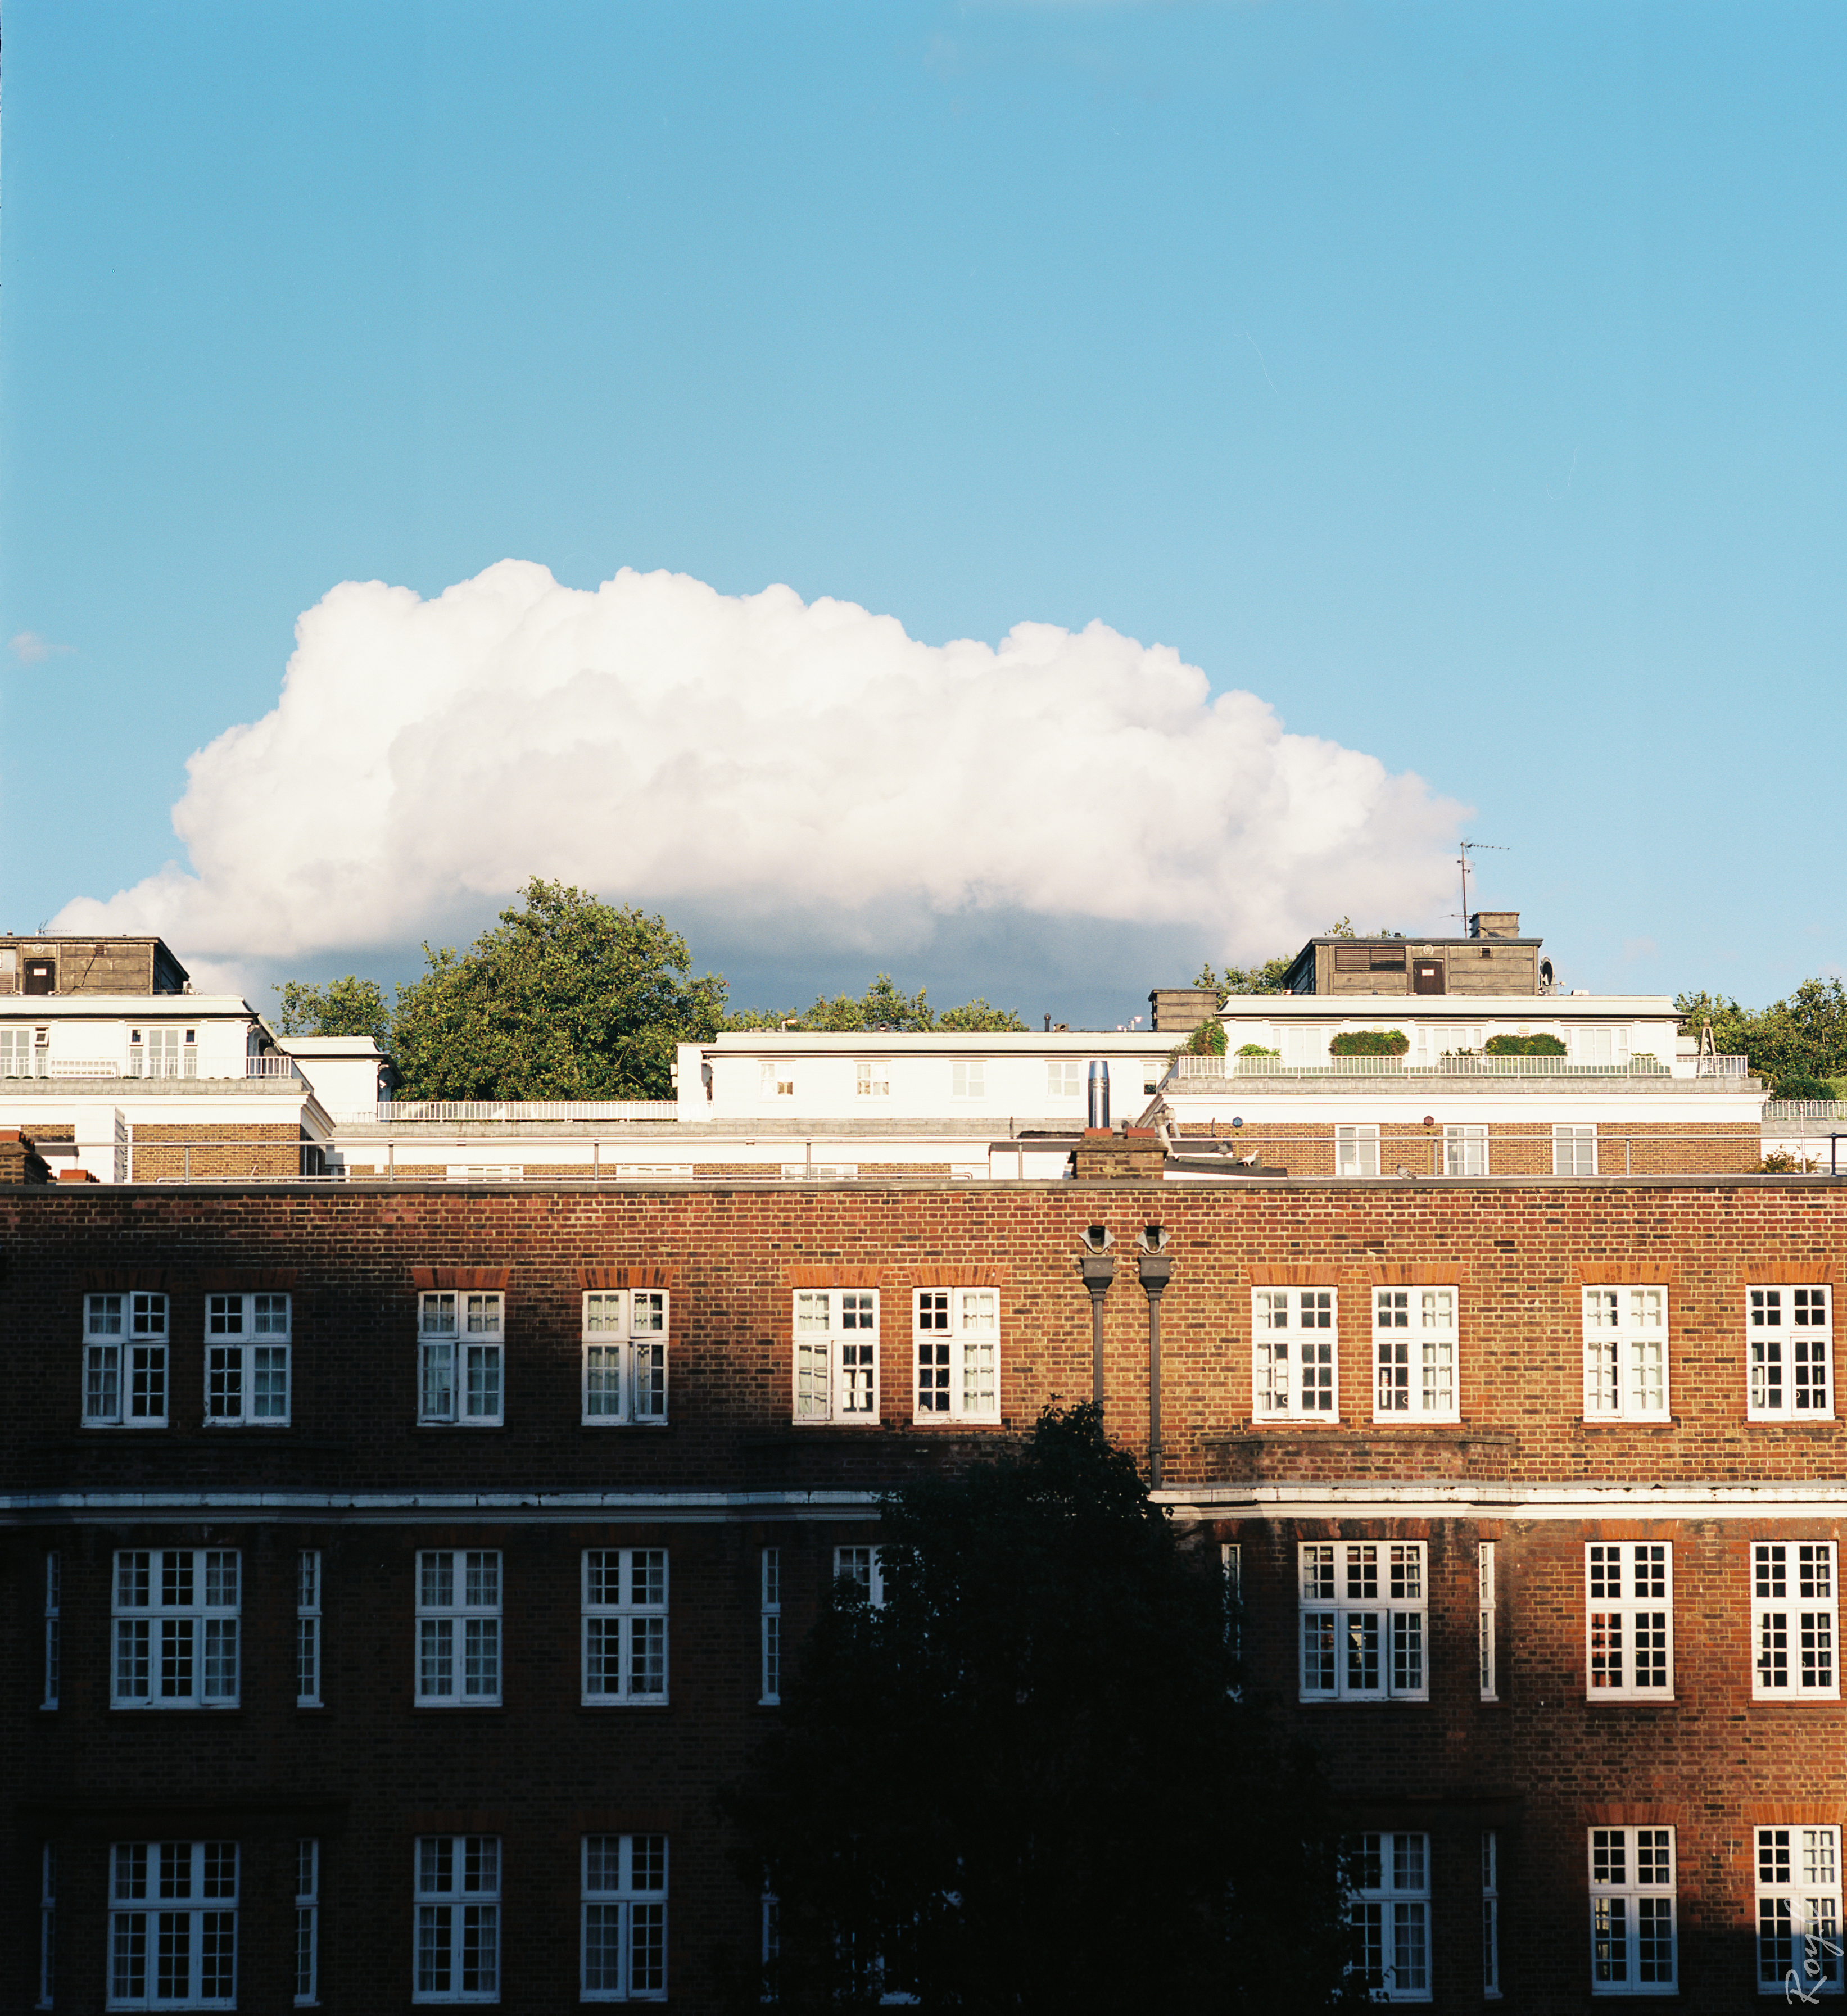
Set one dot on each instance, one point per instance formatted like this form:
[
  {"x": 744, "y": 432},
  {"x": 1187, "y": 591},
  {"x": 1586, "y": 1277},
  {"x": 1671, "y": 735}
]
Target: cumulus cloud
[
  {"x": 807, "y": 772},
  {"x": 30, "y": 649}
]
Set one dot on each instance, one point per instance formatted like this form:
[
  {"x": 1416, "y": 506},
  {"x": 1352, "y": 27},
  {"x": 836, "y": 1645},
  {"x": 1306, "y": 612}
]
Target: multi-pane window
[
  {"x": 1799, "y": 1912},
  {"x": 1465, "y": 1150},
  {"x": 1364, "y": 1604},
  {"x": 1631, "y": 1911},
  {"x": 968, "y": 1079},
  {"x": 1294, "y": 1354},
  {"x": 1793, "y": 1620},
  {"x": 1625, "y": 1354},
  {"x": 1484, "y": 1614},
  {"x": 1789, "y": 1334},
  {"x": 308, "y": 1923},
  {"x": 458, "y": 1906},
  {"x": 1629, "y": 1620},
  {"x": 176, "y": 1628},
  {"x": 770, "y": 1603},
  {"x": 1491, "y": 1970},
  {"x": 1356, "y": 1150},
  {"x": 1574, "y": 1150},
  {"x": 625, "y": 1355},
  {"x": 872, "y": 1079},
  {"x": 173, "y": 1925},
  {"x": 958, "y": 1354},
  {"x": 776, "y": 1080},
  {"x": 48, "y": 1926},
  {"x": 1414, "y": 1354},
  {"x": 1064, "y": 1078},
  {"x": 172, "y": 1051},
  {"x": 625, "y": 1917},
  {"x": 54, "y": 1603},
  {"x": 862, "y": 1568},
  {"x": 307, "y": 1627},
  {"x": 837, "y": 1354},
  {"x": 461, "y": 1337},
  {"x": 125, "y": 1360},
  {"x": 458, "y": 1629},
  {"x": 625, "y": 1625},
  {"x": 246, "y": 1359},
  {"x": 1390, "y": 1875}
]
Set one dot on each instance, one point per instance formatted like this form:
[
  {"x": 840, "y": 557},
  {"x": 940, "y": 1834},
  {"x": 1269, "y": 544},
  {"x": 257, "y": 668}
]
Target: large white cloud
[{"x": 805, "y": 771}]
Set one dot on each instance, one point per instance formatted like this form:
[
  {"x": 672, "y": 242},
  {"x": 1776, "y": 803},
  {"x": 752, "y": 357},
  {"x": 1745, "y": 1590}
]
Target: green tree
[
  {"x": 884, "y": 1005},
  {"x": 346, "y": 1007},
  {"x": 1265, "y": 977},
  {"x": 1028, "y": 1782},
  {"x": 1795, "y": 1043},
  {"x": 567, "y": 998}
]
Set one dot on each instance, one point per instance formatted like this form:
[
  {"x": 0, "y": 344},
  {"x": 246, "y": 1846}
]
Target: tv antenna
[{"x": 1470, "y": 847}]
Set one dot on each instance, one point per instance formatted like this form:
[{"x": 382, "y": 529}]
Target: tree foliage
[
  {"x": 567, "y": 997},
  {"x": 1028, "y": 1782},
  {"x": 884, "y": 1005},
  {"x": 1265, "y": 977},
  {"x": 346, "y": 1007},
  {"x": 1541, "y": 1046},
  {"x": 1796, "y": 1044}
]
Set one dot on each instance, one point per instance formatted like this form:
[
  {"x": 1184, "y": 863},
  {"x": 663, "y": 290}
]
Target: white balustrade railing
[
  {"x": 1186, "y": 1066},
  {"x": 83, "y": 1067},
  {"x": 392, "y": 1112}
]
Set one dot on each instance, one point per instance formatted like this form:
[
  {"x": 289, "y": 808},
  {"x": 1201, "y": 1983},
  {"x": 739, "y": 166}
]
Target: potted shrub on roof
[
  {"x": 1369, "y": 1043},
  {"x": 1524, "y": 1046}
]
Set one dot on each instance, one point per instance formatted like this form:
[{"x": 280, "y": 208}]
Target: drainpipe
[
  {"x": 1099, "y": 1270},
  {"x": 1154, "y": 1268}
]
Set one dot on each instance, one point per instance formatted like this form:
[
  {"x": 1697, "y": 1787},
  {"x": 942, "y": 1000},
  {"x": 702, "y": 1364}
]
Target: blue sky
[{"x": 1463, "y": 381}]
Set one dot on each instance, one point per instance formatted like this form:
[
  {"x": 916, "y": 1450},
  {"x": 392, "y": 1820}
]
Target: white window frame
[
  {"x": 624, "y": 1360},
  {"x": 1491, "y": 1969},
  {"x": 1416, "y": 1367},
  {"x": 872, "y": 1077},
  {"x": 1295, "y": 1354},
  {"x": 770, "y": 1614},
  {"x": 149, "y": 1916},
  {"x": 125, "y": 1361},
  {"x": 461, "y": 1357},
  {"x": 968, "y": 1078},
  {"x": 1064, "y": 1077},
  {"x": 623, "y": 1903},
  {"x": 955, "y": 1354},
  {"x": 1797, "y": 1876},
  {"x": 1584, "y": 1041},
  {"x": 864, "y": 1567},
  {"x": 1357, "y": 1148},
  {"x": 247, "y": 1339},
  {"x": 1363, "y": 1628},
  {"x": 836, "y": 1357},
  {"x": 307, "y": 1627},
  {"x": 1574, "y": 1149},
  {"x": 457, "y": 1915},
  {"x": 1796, "y": 1621},
  {"x": 1789, "y": 1333},
  {"x": 460, "y": 1592},
  {"x": 1626, "y": 1362},
  {"x": 174, "y": 1054},
  {"x": 776, "y": 1080},
  {"x": 178, "y": 1620},
  {"x": 308, "y": 1923},
  {"x": 1625, "y": 1864},
  {"x": 1629, "y": 1620},
  {"x": 625, "y": 1596},
  {"x": 54, "y": 1607},
  {"x": 1465, "y": 1148},
  {"x": 1391, "y": 1913},
  {"x": 1485, "y": 1596}
]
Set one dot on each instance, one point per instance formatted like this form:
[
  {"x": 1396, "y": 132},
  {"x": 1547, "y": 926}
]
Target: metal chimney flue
[{"x": 1099, "y": 1093}]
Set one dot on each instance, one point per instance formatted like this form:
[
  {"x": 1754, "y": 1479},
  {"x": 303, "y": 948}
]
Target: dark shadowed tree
[
  {"x": 567, "y": 998},
  {"x": 1027, "y": 1781}
]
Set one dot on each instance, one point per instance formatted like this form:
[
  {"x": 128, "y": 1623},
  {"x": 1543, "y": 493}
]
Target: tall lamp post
[
  {"x": 1099, "y": 1270},
  {"x": 1152, "y": 1264}
]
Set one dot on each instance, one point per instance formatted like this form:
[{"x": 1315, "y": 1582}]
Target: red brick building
[{"x": 392, "y": 1574}]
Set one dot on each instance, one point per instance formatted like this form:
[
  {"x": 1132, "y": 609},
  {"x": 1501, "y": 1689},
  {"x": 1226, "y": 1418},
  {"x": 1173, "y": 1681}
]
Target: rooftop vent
[{"x": 1495, "y": 924}]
